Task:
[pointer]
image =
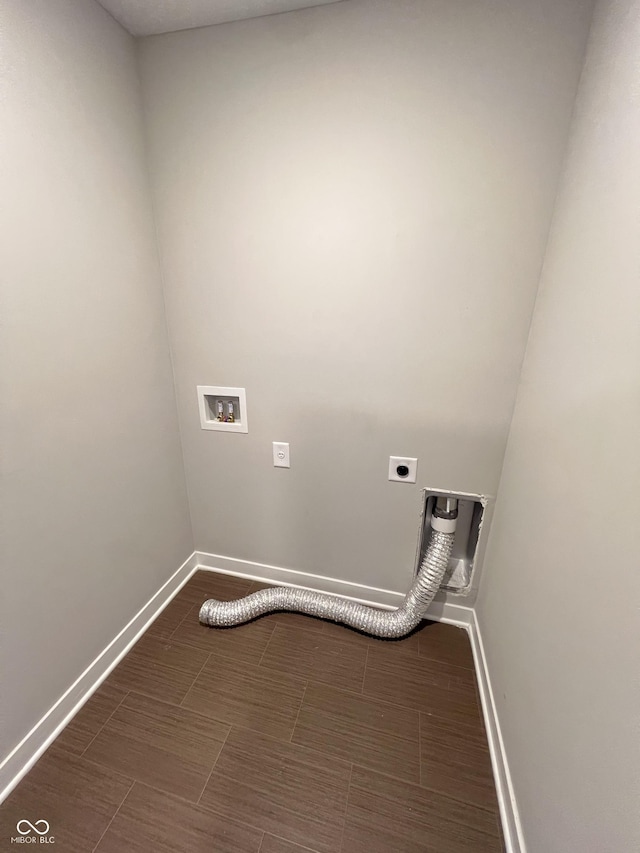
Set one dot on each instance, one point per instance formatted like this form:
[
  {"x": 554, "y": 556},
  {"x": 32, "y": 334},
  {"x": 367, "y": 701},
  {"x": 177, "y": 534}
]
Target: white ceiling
[{"x": 149, "y": 17}]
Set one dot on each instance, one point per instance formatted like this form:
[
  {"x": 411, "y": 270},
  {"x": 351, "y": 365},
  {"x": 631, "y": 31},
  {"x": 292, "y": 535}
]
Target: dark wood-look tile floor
[{"x": 287, "y": 735}]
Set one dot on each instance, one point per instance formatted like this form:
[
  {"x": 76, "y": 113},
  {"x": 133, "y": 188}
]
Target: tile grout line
[
  {"x": 295, "y": 723},
  {"x": 346, "y": 809},
  {"x": 204, "y": 717},
  {"x": 273, "y": 630},
  {"x": 364, "y": 674},
  {"x": 192, "y": 606},
  {"x": 467, "y": 803},
  {"x": 204, "y": 787},
  {"x": 419, "y": 749},
  {"x": 180, "y": 703},
  {"x": 171, "y": 794},
  {"x": 280, "y": 838},
  {"x": 375, "y": 698},
  {"x": 158, "y": 633},
  {"x": 446, "y": 672},
  {"x": 104, "y": 724},
  {"x": 425, "y": 788},
  {"x": 447, "y": 663},
  {"x": 179, "y": 625},
  {"x": 114, "y": 817}
]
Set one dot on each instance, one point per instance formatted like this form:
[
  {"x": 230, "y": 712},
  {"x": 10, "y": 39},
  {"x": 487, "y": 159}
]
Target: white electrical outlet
[
  {"x": 281, "y": 457},
  {"x": 403, "y": 469}
]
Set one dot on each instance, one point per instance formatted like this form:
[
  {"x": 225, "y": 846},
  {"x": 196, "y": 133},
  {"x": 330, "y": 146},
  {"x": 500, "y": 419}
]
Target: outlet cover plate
[
  {"x": 281, "y": 458},
  {"x": 409, "y": 462}
]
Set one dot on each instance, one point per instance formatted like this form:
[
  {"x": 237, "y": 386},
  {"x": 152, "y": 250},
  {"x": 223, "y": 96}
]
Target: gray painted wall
[
  {"x": 353, "y": 203},
  {"x": 95, "y": 516},
  {"x": 558, "y": 606}
]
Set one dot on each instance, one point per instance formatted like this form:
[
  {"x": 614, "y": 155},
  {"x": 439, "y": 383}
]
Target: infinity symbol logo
[{"x": 32, "y": 827}]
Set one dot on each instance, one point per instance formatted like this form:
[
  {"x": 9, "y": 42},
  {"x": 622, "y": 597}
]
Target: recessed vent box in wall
[
  {"x": 222, "y": 408},
  {"x": 470, "y": 538}
]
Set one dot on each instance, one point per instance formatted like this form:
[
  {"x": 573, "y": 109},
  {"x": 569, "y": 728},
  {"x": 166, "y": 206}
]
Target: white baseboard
[
  {"x": 28, "y": 751},
  {"x": 440, "y": 611},
  {"x": 511, "y": 826}
]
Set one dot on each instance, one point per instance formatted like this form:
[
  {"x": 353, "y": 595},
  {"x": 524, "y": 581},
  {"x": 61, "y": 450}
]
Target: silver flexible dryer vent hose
[{"x": 380, "y": 623}]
